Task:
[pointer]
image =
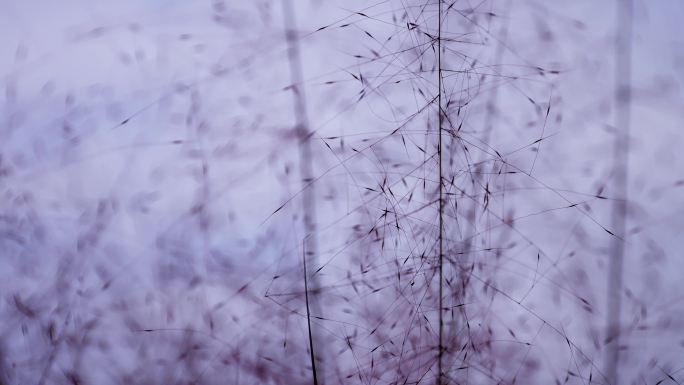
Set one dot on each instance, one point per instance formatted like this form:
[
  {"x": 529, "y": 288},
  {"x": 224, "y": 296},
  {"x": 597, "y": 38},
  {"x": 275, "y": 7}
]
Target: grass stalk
[
  {"x": 623, "y": 72},
  {"x": 441, "y": 200},
  {"x": 310, "y": 242}
]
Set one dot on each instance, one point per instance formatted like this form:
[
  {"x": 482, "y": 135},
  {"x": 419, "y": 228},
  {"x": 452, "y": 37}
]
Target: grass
[{"x": 375, "y": 193}]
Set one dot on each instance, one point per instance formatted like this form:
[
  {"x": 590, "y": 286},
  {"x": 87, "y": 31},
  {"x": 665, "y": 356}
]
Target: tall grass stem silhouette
[
  {"x": 622, "y": 105},
  {"x": 306, "y": 174},
  {"x": 440, "y": 346}
]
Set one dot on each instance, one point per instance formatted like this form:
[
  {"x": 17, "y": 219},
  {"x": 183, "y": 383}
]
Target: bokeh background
[{"x": 151, "y": 217}]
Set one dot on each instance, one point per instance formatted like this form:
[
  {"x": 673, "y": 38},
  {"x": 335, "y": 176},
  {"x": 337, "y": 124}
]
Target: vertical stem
[
  {"x": 623, "y": 73},
  {"x": 441, "y": 201},
  {"x": 306, "y": 172},
  {"x": 308, "y": 315}
]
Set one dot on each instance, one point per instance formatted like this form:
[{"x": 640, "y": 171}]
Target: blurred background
[{"x": 166, "y": 167}]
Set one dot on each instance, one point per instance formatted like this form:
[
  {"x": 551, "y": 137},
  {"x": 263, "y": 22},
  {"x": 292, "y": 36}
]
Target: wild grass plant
[{"x": 286, "y": 192}]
